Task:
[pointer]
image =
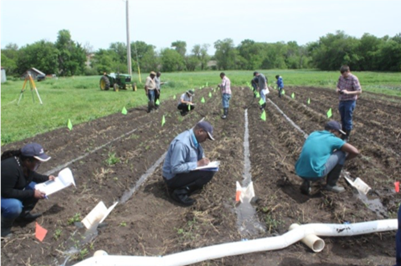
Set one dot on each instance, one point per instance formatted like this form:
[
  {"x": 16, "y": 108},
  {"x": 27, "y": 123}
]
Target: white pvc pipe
[
  {"x": 244, "y": 247},
  {"x": 312, "y": 241}
]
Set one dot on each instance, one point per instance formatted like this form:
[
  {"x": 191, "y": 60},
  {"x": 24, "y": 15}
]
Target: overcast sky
[{"x": 99, "y": 23}]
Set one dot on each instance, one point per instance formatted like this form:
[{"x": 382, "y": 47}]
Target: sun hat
[
  {"x": 191, "y": 92},
  {"x": 152, "y": 73},
  {"x": 36, "y": 151}
]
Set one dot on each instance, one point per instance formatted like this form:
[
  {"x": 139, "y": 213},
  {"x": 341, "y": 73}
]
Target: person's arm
[
  {"x": 178, "y": 156},
  {"x": 350, "y": 150},
  {"x": 9, "y": 179},
  {"x": 38, "y": 178}
]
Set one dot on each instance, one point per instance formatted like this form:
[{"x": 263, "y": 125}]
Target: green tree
[
  {"x": 225, "y": 54},
  {"x": 180, "y": 47},
  {"x": 171, "y": 60},
  {"x": 200, "y": 52},
  {"x": 9, "y": 57},
  {"x": 41, "y": 55},
  {"x": 72, "y": 57},
  {"x": 144, "y": 55}
]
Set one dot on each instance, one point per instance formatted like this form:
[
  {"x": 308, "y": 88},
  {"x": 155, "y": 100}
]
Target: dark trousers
[
  {"x": 191, "y": 179},
  {"x": 183, "y": 107}
]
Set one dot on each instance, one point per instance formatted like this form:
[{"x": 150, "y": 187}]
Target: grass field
[{"x": 80, "y": 99}]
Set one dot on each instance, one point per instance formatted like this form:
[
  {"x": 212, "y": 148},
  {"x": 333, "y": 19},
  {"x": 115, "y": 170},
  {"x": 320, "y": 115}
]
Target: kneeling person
[
  {"x": 324, "y": 153},
  {"x": 183, "y": 156},
  {"x": 185, "y": 104}
]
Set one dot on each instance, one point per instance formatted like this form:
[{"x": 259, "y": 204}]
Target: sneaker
[
  {"x": 181, "y": 196},
  {"x": 306, "y": 187},
  {"x": 223, "y": 116},
  {"x": 336, "y": 189}
]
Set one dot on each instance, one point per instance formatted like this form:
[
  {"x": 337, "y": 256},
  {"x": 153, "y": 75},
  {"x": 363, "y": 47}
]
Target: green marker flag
[
  {"x": 174, "y": 97},
  {"x": 257, "y": 94},
  {"x": 124, "y": 111},
  {"x": 210, "y": 94},
  {"x": 293, "y": 95},
  {"x": 329, "y": 114},
  {"x": 207, "y": 84},
  {"x": 163, "y": 120},
  {"x": 283, "y": 93},
  {"x": 203, "y": 100},
  {"x": 69, "y": 124},
  {"x": 308, "y": 100},
  {"x": 263, "y": 116},
  {"x": 189, "y": 107},
  {"x": 261, "y": 101},
  {"x": 157, "y": 102}
]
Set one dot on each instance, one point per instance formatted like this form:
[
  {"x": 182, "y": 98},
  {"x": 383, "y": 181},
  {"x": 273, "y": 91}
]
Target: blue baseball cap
[
  {"x": 206, "y": 127},
  {"x": 334, "y": 125},
  {"x": 36, "y": 151}
]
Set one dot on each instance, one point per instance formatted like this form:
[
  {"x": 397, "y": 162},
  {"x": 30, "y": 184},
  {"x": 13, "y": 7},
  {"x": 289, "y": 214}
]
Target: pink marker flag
[
  {"x": 397, "y": 186},
  {"x": 40, "y": 232}
]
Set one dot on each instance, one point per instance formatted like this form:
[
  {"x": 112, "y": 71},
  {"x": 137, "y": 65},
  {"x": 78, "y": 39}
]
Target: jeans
[
  {"x": 226, "y": 100},
  {"x": 346, "y": 109},
  {"x": 151, "y": 95},
  {"x": 337, "y": 157},
  {"x": 262, "y": 95},
  {"x": 398, "y": 240},
  {"x": 12, "y": 208},
  {"x": 193, "y": 178}
]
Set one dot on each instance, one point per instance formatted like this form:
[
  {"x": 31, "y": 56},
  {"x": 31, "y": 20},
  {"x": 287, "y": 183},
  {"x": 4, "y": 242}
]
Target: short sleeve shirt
[
  {"x": 150, "y": 83},
  {"x": 316, "y": 151}
]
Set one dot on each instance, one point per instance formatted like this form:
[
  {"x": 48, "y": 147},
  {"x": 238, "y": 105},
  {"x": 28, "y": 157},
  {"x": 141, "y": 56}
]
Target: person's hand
[
  {"x": 52, "y": 177},
  {"x": 203, "y": 162},
  {"x": 345, "y": 92},
  {"x": 38, "y": 194}
]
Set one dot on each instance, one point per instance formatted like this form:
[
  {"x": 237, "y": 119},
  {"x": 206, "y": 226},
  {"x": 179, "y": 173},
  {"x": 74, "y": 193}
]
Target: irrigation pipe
[{"x": 296, "y": 234}]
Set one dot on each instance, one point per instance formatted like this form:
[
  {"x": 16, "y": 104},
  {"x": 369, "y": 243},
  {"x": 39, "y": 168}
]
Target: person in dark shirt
[{"x": 18, "y": 180}]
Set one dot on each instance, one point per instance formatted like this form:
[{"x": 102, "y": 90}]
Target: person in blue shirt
[
  {"x": 184, "y": 155},
  {"x": 324, "y": 153},
  {"x": 280, "y": 85}
]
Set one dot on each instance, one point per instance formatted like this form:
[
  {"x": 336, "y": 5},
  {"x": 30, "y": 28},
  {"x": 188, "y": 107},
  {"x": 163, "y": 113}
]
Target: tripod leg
[{"x": 37, "y": 93}]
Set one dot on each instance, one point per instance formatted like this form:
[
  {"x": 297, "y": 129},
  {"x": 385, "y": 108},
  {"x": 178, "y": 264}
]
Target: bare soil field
[{"x": 119, "y": 158}]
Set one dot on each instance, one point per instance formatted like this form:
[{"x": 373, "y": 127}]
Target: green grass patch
[{"x": 80, "y": 98}]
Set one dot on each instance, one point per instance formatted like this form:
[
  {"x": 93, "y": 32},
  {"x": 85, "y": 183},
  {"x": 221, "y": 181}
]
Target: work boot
[
  {"x": 28, "y": 217},
  {"x": 224, "y": 116},
  {"x": 306, "y": 187},
  {"x": 6, "y": 225},
  {"x": 332, "y": 179},
  {"x": 182, "y": 196}
]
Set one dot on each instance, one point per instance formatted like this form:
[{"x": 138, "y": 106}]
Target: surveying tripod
[{"x": 33, "y": 87}]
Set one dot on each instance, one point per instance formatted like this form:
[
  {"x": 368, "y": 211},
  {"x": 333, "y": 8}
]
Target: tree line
[{"x": 66, "y": 57}]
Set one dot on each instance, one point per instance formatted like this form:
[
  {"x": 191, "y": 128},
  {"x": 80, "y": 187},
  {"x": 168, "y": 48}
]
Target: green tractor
[{"x": 117, "y": 81}]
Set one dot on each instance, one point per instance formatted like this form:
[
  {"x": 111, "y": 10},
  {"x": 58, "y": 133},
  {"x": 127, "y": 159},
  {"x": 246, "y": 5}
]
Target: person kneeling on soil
[
  {"x": 183, "y": 156},
  {"x": 324, "y": 153},
  {"x": 185, "y": 104},
  {"x": 18, "y": 180}
]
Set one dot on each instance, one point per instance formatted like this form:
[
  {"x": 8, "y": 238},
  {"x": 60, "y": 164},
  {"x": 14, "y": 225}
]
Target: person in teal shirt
[{"x": 324, "y": 153}]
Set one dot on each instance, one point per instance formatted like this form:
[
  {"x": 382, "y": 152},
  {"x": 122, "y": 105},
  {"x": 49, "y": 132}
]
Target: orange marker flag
[
  {"x": 238, "y": 192},
  {"x": 40, "y": 232}
]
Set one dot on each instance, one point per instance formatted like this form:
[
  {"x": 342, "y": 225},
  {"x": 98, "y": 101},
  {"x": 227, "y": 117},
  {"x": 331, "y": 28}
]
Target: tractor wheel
[
  {"x": 116, "y": 88},
  {"x": 134, "y": 86},
  {"x": 104, "y": 83}
]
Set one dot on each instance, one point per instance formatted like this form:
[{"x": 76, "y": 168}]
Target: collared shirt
[
  {"x": 350, "y": 83},
  {"x": 225, "y": 85},
  {"x": 182, "y": 155},
  {"x": 157, "y": 81},
  {"x": 150, "y": 83},
  {"x": 316, "y": 151}
]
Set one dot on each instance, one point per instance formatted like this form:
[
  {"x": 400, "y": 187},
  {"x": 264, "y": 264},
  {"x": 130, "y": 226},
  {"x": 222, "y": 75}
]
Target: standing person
[
  {"x": 183, "y": 156},
  {"x": 225, "y": 87},
  {"x": 259, "y": 83},
  {"x": 150, "y": 88},
  {"x": 158, "y": 89},
  {"x": 348, "y": 89},
  {"x": 280, "y": 85},
  {"x": 185, "y": 104},
  {"x": 18, "y": 180},
  {"x": 324, "y": 153}
]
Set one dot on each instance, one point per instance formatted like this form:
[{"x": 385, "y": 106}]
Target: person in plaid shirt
[
  {"x": 348, "y": 89},
  {"x": 225, "y": 87}
]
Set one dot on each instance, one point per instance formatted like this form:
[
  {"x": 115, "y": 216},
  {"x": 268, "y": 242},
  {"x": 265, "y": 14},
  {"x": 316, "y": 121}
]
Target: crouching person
[
  {"x": 18, "y": 180},
  {"x": 183, "y": 156},
  {"x": 324, "y": 153}
]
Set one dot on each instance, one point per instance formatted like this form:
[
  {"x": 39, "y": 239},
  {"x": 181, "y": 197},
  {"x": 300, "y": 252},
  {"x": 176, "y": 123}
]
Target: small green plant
[
  {"x": 57, "y": 233},
  {"x": 75, "y": 218},
  {"x": 124, "y": 224},
  {"x": 112, "y": 159},
  {"x": 82, "y": 253}
]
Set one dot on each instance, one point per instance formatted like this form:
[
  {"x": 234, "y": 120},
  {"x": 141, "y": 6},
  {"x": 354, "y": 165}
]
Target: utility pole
[{"x": 128, "y": 43}]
